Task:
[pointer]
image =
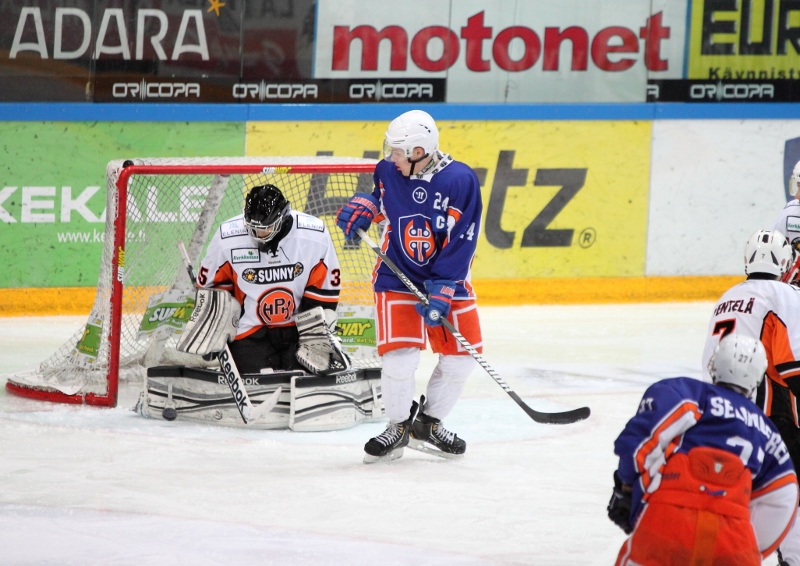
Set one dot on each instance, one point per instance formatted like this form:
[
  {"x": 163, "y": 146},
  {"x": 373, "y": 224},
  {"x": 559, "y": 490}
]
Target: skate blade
[
  {"x": 426, "y": 448},
  {"x": 395, "y": 454}
]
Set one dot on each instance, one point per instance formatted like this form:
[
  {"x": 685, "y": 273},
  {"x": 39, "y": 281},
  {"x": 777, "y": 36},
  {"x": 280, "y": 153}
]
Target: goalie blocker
[{"x": 307, "y": 403}]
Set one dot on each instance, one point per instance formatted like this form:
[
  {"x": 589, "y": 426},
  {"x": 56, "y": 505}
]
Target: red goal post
[{"x": 143, "y": 292}]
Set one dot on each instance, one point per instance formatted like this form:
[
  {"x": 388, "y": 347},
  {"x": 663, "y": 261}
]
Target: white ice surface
[{"x": 81, "y": 485}]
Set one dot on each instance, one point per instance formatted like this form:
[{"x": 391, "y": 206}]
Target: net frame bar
[{"x": 129, "y": 169}]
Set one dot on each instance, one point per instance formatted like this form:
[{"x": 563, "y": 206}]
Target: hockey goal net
[{"x": 144, "y": 293}]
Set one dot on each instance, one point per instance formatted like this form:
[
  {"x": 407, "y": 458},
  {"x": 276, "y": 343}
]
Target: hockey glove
[
  {"x": 619, "y": 508},
  {"x": 357, "y": 213},
  {"x": 320, "y": 350},
  {"x": 440, "y": 293}
]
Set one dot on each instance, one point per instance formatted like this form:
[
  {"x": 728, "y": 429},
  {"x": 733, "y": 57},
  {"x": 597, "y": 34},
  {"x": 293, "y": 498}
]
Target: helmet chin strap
[{"x": 414, "y": 164}]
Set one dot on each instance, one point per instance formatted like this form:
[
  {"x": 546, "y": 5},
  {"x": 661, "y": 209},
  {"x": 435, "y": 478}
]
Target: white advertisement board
[
  {"x": 506, "y": 50},
  {"x": 712, "y": 184}
]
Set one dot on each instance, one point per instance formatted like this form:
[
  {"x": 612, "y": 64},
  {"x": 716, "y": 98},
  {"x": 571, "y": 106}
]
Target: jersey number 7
[{"x": 724, "y": 327}]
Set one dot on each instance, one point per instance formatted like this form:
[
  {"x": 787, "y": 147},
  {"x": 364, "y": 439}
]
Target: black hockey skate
[
  {"x": 389, "y": 444},
  {"x": 429, "y": 435}
]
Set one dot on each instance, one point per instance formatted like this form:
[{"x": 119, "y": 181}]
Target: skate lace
[
  {"x": 389, "y": 436},
  {"x": 443, "y": 434}
]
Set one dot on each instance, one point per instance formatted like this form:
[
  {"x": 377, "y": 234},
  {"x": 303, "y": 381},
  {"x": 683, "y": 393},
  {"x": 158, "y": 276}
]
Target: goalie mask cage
[{"x": 152, "y": 204}]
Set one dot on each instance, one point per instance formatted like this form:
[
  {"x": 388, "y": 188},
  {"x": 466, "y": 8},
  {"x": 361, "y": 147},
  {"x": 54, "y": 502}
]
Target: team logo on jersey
[
  {"x": 417, "y": 237},
  {"x": 276, "y": 306},
  {"x": 276, "y": 274},
  {"x": 419, "y": 195}
]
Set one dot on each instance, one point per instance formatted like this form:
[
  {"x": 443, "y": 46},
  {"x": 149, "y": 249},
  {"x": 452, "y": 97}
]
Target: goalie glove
[
  {"x": 213, "y": 323},
  {"x": 359, "y": 212},
  {"x": 320, "y": 350},
  {"x": 619, "y": 507}
]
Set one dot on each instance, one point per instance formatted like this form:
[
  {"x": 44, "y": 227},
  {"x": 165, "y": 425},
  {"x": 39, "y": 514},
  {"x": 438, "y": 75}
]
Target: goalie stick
[
  {"x": 564, "y": 417},
  {"x": 231, "y": 373}
]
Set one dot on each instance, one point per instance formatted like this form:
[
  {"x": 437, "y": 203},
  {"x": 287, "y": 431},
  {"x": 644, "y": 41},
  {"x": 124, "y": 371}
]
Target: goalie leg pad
[
  {"x": 203, "y": 396},
  {"x": 307, "y": 403},
  {"x": 320, "y": 350},
  {"x": 323, "y": 403},
  {"x": 213, "y": 323}
]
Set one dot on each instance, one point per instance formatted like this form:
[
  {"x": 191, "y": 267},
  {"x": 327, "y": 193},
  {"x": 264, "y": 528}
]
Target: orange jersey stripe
[
  {"x": 225, "y": 278},
  {"x": 775, "y": 338},
  {"x": 321, "y": 298},
  {"x": 318, "y": 275},
  {"x": 652, "y": 445}
]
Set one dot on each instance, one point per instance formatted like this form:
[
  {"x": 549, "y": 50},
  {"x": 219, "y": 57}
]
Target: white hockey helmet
[
  {"x": 767, "y": 251},
  {"x": 414, "y": 128},
  {"x": 738, "y": 360},
  {"x": 794, "y": 180}
]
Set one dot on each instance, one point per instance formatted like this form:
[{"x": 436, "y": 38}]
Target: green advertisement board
[{"x": 53, "y": 189}]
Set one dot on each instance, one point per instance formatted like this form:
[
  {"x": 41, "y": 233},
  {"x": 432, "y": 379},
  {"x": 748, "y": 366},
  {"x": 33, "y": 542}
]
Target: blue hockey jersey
[
  {"x": 678, "y": 414},
  {"x": 431, "y": 223}
]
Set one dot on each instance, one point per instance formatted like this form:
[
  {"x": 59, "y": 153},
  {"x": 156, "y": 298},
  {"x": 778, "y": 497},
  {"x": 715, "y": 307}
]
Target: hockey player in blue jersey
[
  {"x": 429, "y": 207},
  {"x": 704, "y": 476}
]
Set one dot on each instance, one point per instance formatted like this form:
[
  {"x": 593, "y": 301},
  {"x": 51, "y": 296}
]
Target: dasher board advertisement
[
  {"x": 152, "y": 51},
  {"x": 738, "y": 51},
  {"x": 157, "y": 51},
  {"x": 507, "y": 51}
]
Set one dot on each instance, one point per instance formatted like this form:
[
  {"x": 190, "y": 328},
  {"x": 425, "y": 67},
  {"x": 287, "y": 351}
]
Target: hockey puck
[{"x": 169, "y": 414}]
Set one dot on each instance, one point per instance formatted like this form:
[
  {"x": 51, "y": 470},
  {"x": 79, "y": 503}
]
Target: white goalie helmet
[
  {"x": 738, "y": 360},
  {"x": 414, "y": 128},
  {"x": 794, "y": 180},
  {"x": 767, "y": 251}
]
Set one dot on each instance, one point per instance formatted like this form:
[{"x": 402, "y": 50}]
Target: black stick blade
[{"x": 565, "y": 417}]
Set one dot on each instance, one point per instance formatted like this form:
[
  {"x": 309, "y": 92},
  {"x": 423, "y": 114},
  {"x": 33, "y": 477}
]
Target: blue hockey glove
[
  {"x": 619, "y": 507},
  {"x": 440, "y": 293},
  {"x": 357, "y": 213}
]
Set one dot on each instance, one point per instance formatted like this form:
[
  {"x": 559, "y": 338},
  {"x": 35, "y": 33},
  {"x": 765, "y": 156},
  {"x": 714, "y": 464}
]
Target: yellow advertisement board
[
  {"x": 561, "y": 198},
  {"x": 753, "y": 39}
]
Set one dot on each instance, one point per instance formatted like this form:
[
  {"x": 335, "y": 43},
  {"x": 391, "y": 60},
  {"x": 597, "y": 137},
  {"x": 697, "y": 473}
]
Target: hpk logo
[{"x": 417, "y": 236}]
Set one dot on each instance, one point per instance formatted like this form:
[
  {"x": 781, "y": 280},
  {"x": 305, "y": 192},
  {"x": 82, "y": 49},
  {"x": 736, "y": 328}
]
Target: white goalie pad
[
  {"x": 320, "y": 350},
  {"x": 335, "y": 402},
  {"x": 307, "y": 402},
  {"x": 213, "y": 323}
]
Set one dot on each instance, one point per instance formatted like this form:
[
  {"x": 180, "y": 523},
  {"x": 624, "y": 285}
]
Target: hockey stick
[
  {"x": 565, "y": 417},
  {"x": 233, "y": 378}
]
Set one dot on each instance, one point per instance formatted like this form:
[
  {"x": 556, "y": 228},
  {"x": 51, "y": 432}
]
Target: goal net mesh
[{"x": 185, "y": 200}]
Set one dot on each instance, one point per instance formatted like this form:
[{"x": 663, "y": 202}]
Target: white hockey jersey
[
  {"x": 770, "y": 311},
  {"x": 271, "y": 287},
  {"x": 788, "y": 222}
]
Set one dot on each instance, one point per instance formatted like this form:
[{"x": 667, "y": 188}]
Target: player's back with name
[
  {"x": 748, "y": 306},
  {"x": 712, "y": 416}
]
